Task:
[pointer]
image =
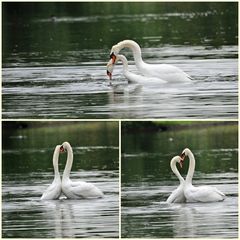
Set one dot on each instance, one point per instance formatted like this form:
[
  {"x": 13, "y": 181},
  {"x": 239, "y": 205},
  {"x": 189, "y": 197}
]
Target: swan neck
[
  {"x": 68, "y": 166},
  {"x": 125, "y": 65},
  {"x": 135, "y": 49},
  {"x": 55, "y": 162},
  {"x": 176, "y": 172},
  {"x": 191, "y": 168}
]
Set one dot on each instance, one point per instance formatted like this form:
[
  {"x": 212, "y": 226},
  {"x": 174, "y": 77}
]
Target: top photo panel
[{"x": 119, "y": 60}]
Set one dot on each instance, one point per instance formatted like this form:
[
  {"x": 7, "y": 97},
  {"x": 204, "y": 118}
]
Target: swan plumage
[
  {"x": 165, "y": 72},
  {"x": 177, "y": 196},
  {"x": 55, "y": 189},
  {"x": 79, "y": 189},
  {"x": 132, "y": 77},
  {"x": 201, "y": 193}
]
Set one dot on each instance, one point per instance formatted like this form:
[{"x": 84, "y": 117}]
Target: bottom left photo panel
[{"x": 60, "y": 179}]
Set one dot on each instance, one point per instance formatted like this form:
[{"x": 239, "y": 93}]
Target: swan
[
  {"x": 55, "y": 189},
  {"x": 80, "y": 189},
  {"x": 132, "y": 77},
  {"x": 177, "y": 196},
  {"x": 201, "y": 193},
  {"x": 165, "y": 72}
]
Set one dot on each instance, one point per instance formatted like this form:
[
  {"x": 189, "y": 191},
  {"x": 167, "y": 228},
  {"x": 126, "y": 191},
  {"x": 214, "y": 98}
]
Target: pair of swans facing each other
[
  {"x": 162, "y": 73},
  {"x": 186, "y": 192},
  {"x": 72, "y": 190}
]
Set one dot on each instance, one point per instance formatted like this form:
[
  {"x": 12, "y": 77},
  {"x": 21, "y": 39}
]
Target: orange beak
[
  {"x": 62, "y": 149},
  {"x": 183, "y": 156},
  {"x": 113, "y": 57},
  {"x": 181, "y": 163}
]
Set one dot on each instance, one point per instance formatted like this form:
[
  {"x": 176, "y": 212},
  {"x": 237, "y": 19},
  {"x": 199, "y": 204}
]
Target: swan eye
[{"x": 62, "y": 149}]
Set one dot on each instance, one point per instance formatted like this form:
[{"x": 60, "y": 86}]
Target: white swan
[
  {"x": 201, "y": 193},
  {"x": 177, "y": 196},
  {"x": 55, "y": 189},
  {"x": 132, "y": 77},
  {"x": 78, "y": 189},
  {"x": 165, "y": 72}
]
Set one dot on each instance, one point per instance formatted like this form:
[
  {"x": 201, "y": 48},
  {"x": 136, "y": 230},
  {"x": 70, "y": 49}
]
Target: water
[
  {"x": 25, "y": 215},
  {"x": 147, "y": 181},
  {"x": 146, "y": 214},
  {"x": 27, "y": 172},
  {"x": 62, "y": 60}
]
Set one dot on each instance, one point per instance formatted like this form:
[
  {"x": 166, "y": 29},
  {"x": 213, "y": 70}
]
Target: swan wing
[
  {"x": 53, "y": 191},
  {"x": 135, "y": 78},
  {"x": 85, "y": 190},
  {"x": 166, "y": 72},
  {"x": 177, "y": 196},
  {"x": 204, "y": 194}
]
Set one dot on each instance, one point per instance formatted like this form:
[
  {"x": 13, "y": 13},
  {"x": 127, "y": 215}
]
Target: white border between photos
[{"x": 122, "y": 120}]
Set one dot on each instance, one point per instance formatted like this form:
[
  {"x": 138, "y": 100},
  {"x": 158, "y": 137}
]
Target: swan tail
[{"x": 86, "y": 190}]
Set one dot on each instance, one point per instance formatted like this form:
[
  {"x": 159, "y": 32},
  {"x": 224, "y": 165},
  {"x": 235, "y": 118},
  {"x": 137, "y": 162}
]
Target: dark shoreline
[{"x": 158, "y": 126}]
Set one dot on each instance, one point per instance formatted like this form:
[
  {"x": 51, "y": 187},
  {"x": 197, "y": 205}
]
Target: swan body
[
  {"x": 201, "y": 193},
  {"x": 132, "y": 77},
  {"x": 177, "y": 196},
  {"x": 80, "y": 189},
  {"x": 55, "y": 189},
  {"x": 165, "y": 72}
]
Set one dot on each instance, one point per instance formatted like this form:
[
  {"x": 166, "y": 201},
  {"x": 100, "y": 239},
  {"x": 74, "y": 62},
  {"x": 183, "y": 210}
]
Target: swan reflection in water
[
  {"x": 197, "y": 219},
  {"x": 71, "y": 218}
]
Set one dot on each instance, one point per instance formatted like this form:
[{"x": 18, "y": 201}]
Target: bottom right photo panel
[{"x": 179, "y": 179}]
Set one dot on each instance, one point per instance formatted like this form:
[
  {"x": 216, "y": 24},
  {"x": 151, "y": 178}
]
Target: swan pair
[
  {"x": 161, "y": 73},
  {"x": 72, "y": 190},
  {"x": 186, "y": 192}
]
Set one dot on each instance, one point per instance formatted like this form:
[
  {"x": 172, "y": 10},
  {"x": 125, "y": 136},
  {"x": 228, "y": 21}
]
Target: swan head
[
  {"x": 114, "y": 52},
  {"x": 185, "y": 153},
  {"x": 65, "y": 147},
  {"x": 57, "y": 148},
  {"x": 177, "y": 159},
  {"x": 110, "y": 69}
]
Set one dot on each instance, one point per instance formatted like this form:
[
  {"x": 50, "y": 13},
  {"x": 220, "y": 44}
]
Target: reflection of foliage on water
[
  {"x": 138, "y": 126},
  {"x": 54, "y": 28},
  {"x": 148, "y": 153},
  {"x": 29, "y": 146}
]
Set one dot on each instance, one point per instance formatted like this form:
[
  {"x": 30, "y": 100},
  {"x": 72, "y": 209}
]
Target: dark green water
[
  {"x": 27, "y": 171},
  {"x": 56, "y": 49},
  {"x": 147, "y": 181}
]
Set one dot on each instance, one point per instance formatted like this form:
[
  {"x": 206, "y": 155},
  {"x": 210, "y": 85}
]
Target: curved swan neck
[
  {"x": 175, "y": 170},
  {"x": 124, "y": 61},
  {"x": 55, "y": 161},
  {"x": 68, "y": 166},
  {"x": 191, "y": 167},
  {"x": 135, "y": 48}
]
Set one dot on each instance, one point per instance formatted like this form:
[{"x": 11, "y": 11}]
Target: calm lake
[
  {"x": 27, "y": 172},
  {"x": 55, "y": 55},
  {"x": 147, "y": 181}
]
